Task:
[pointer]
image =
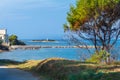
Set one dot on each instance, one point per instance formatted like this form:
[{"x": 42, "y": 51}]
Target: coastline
[{"x": 44, "y": 40}]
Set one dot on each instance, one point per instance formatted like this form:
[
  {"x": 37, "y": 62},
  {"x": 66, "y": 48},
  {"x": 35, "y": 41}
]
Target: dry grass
[
  {"x": 28, "y": 65},
  {"x": 61, "y": 69}
]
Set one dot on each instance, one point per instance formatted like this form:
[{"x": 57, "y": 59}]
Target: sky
[{"x": 34, "y": 19}]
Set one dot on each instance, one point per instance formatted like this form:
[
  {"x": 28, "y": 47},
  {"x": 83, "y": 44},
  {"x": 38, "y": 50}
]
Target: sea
[{"x": 43, "y": 53}]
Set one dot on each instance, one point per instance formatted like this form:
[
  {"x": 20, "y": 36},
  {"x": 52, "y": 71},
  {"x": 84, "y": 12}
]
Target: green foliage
[
  {"x": 60, "y": 69},
  {"x": 86, "y": 75},
  {"x": 12, "y": 37},
  {"x": 14, "y": 40},
  {"x": 86, "y": 10},
  {"x": 96, "y": 21},
  {"x": 99, "y": 57}
]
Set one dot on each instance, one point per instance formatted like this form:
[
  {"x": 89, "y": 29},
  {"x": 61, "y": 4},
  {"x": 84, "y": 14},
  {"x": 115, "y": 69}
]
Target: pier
[{"x": 38, "y": 47}]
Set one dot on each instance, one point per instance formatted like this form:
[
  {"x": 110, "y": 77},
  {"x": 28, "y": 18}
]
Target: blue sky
[{"x": 34, "y": 19}]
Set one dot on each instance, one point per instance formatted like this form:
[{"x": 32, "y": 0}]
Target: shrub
[
  {"x": 86, "y": 75},
  {"x": 99, "y": 57},
  {"x": 61, "y": 69}
]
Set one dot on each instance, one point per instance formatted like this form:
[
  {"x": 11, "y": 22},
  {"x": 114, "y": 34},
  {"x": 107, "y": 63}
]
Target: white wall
[{"x": 3, "y": 31}]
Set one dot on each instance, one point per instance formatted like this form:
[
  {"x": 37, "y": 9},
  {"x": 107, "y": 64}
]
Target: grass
[
  {"x": 62, "y": 69},
  {"x": 27, "y": 65}
]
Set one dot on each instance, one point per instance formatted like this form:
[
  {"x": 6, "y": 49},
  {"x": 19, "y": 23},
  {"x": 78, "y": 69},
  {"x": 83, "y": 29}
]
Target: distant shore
[{"x": 44, "y": 40}]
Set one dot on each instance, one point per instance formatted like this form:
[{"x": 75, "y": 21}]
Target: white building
[{"x": 4, "y": 35}]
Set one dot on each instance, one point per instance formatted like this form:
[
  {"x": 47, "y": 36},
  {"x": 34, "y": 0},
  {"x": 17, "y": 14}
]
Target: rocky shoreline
[{"x": 4, "y": 48}]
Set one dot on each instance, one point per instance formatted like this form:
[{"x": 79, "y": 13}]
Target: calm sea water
[{"x": 43, "y": 53}]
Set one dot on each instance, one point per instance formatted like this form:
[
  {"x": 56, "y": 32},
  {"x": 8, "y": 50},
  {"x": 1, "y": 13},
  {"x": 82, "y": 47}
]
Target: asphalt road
[{"x": 15, "y": 74}]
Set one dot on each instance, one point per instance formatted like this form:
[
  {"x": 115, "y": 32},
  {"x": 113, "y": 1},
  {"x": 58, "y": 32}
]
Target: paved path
[{"x": 15, "y": 74}]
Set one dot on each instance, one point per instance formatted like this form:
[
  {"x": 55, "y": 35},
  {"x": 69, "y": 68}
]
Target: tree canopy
[
  {"x": 13, "y": 39},
  {"x": 85, "y": 10},
  {"x": 97, "y": 21}
]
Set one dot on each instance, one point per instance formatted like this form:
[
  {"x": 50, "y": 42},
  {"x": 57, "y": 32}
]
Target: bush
[
  {"x": 61, "y": 69},
  {"x": 99, "y": 57},
  {"x": 50, "y": 66},
  {"x": 86, "y": 75}
]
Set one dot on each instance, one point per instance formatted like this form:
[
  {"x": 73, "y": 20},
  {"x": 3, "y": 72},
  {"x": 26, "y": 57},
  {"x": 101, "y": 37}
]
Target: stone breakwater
[{"x": 38, "y": 47}]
